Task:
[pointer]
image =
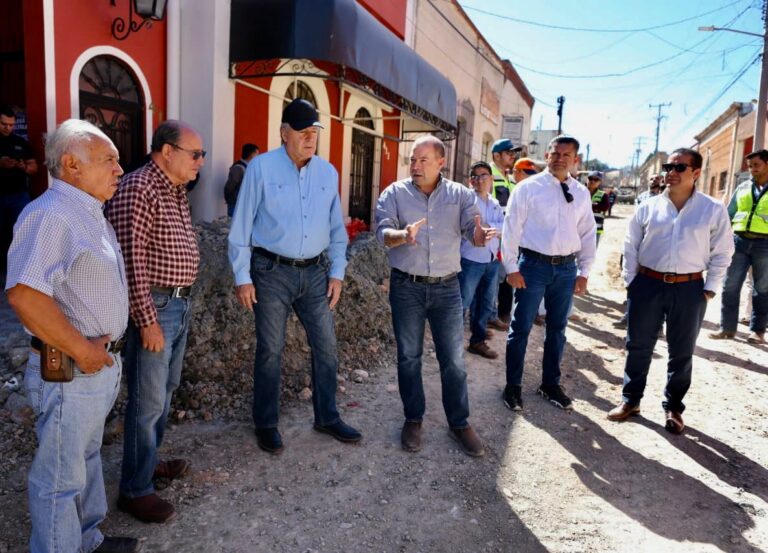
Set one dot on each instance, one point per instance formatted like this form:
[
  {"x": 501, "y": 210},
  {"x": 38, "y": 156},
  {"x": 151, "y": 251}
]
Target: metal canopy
[{"x": 367, "y": 55}]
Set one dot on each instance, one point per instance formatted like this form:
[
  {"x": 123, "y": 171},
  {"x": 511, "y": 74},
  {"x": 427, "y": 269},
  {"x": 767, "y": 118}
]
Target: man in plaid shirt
[{"x": 152, "y": 221}]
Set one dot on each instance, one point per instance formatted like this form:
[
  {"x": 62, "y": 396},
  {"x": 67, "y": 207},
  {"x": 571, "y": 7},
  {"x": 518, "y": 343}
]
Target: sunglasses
[
  {"x": 678, "y": 167},
  {"x": 196, "y": 154},
  {"x": 566, "y": 193},
  {"x": 484, "y": 176}
]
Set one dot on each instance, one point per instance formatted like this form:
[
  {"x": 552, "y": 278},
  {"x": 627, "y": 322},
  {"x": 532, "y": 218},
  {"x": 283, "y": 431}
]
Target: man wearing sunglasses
[
  {"x": 548, "y": 247},
  {"x": 748, "y": 210},
  {"x": 672, "y": 240},
  {"x": 150, "y": 213},
  {"x": 479, "y": 266}
]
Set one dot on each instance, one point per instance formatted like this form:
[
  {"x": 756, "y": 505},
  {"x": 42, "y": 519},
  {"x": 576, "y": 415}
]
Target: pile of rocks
[{"x": 218, "y": 366}]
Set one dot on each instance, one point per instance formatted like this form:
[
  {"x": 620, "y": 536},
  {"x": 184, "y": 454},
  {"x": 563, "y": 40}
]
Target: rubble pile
[{"x": 217, "y": 379}]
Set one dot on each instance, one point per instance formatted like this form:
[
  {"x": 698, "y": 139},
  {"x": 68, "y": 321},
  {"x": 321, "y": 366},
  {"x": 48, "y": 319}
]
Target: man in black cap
[{"x": 286, "y": 223}]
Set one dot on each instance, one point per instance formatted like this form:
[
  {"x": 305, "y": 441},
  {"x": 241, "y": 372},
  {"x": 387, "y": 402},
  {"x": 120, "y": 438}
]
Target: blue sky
[{"x": 689, "y": 68}]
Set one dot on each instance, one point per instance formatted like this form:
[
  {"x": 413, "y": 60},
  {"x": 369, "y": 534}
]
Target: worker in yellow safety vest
[
  {"x": 748, "y": 209},
  {"x": 600, "y": 203},
  {"x": 504, "y": 155}
]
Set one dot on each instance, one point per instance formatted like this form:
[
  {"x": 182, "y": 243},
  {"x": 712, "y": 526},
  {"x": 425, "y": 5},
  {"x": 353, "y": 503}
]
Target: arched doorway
[
  {"x": 299, "y": 89},
  {"x": 111, "y": 99},
  {"x": 361, "y": 170}
]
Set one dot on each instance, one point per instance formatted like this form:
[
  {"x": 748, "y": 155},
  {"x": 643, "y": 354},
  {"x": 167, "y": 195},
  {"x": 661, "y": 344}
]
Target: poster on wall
[
  {"x": 512, "y": 128},
  {"x": 20, "y": 128}
]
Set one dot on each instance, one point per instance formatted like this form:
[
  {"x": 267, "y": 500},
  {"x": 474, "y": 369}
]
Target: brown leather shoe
[
  {"x": 756, "y": 338},
  {"x": 674, "y": 423},
  {"x": 623, "y": 411},
  {"x": 469, "y": 441},
  {"x": 721, "y": 335},
  {"x": 496, "y": 324},
  {"x": 482, "y": 349},
  {"x": 488, "y": 333},
  {"x": 148, "y": 508},
  {"x": 410, "y": 436},
  {"x": 175, "y": 468}
]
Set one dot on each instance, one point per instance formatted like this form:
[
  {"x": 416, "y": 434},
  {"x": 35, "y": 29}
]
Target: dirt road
[{"x": 551, "y": 481}]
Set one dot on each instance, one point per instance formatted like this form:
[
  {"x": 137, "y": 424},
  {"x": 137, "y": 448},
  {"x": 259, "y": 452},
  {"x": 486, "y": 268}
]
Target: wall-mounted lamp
[
  {"x": 532, "y": 147},
  {"x": 148, "y": 10}
]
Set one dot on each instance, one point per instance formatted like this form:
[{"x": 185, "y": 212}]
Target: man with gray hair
[
  {"x": 287, "y": 247},
  {"x": 66, "y": 282},
  {"x": 153, "y": 224},
  {"x": 421, "y": 221}
]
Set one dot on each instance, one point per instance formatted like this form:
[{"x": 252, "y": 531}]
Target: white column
[
  {"x": 207, "y": 97},
  {"x": 173, "y": 58}
]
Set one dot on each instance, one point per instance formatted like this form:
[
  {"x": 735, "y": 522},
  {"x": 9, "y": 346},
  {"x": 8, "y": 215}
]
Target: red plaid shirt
[{"x": 154, "y": 227}]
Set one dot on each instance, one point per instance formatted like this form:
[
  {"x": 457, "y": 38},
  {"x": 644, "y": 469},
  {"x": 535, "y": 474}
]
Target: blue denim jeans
[
  {"x": 67, "y": 501},
  {"x": 749, "y": 253},
  {"x": 649, "y": 303},
  {"x": 478, "y": 282},
  {"x": 280, "y": 289},
  {"x": 152, "y": 378},
  {"x": 555, "y": 284},
  {"x": 413, "y": 304}
]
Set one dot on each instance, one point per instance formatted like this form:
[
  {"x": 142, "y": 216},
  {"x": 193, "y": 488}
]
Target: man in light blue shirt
[
  {"x": 422, "y": 220},
  {"x": 287, "y": 223},
  {"x": 479, "y": 265}
]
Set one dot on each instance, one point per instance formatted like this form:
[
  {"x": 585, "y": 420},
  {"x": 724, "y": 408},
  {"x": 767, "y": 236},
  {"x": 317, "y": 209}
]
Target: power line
[{"x": 596, "y": 30}]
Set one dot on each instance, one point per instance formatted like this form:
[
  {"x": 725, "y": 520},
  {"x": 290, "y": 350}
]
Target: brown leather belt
[
  {"x": 671, "y": 278},
  {"x": 112, "y": 347}
]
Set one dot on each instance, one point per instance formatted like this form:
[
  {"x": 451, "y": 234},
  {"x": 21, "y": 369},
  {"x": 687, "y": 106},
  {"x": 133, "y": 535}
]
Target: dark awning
[{"x": 343, "y": 33}]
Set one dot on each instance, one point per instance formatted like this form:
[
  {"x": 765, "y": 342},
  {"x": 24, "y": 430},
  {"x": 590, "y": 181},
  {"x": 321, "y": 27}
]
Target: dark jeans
[
  {"x": 478, "y": 282},
  {"x": 152, "y": 378},
  {"x": 555, "y": 284},
  {"x": 280, "y": 289},
  {"x": 650, "y": 302},
  {"x": 11, "y": 206},
  {"x": 749, "y": 253},
  {"x": 413, "y": 303}
]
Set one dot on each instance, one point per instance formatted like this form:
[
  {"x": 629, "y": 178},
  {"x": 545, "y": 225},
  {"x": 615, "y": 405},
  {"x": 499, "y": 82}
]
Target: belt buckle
[
  {"x": 556, "y": 260},
  {"x": 671, "y": 277},
  {"x": 175, "y": 292}
]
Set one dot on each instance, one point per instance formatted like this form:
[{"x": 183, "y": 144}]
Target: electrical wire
[{"x": 597, "y": 30}]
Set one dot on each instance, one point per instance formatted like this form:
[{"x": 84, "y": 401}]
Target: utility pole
[
  {"x": 586, "y": 163},
  {"x": 560, "y": 102},
  {"x": 636, "y": 159},
  {"x": 659, "y": 117},
  {"x": 762, "y": 98}
]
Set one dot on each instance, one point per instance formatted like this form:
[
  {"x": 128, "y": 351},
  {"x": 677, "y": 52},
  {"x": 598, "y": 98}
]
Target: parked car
[{"x": 625, "y": 195}]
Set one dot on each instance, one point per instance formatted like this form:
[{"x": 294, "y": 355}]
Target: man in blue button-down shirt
[
  {"x": 422, "y": 220},
  {"x": 287, "y": 221}
]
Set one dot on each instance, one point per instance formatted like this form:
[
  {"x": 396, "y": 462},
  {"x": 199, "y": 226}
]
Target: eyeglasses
[
  {"x": 566, "y": 193},
  {"x": 196, "y": 154},
  {"x": 484, "y": 176},
  {"x": 678, "y": 167}
]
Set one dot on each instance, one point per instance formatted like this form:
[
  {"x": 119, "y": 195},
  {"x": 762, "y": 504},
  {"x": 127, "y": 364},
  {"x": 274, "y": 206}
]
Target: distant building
[{"x": 723, "y": 145}]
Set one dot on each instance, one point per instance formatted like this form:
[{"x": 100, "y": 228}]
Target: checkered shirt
[
  {"x": 64, "y": 248},
  {"x": 153, "y": 224}
]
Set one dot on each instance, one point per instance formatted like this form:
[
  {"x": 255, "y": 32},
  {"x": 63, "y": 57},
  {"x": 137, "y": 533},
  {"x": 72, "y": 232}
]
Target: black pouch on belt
[{"x": 55, "y": 365}]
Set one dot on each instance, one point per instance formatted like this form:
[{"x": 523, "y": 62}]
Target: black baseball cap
[{"x": 300, "y": 114}]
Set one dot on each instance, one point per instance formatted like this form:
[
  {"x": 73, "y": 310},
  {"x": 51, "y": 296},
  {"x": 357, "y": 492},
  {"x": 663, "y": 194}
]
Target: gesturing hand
[
  {"x": 482, "y": 234},
  {"x": 412, "y": 230}
]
